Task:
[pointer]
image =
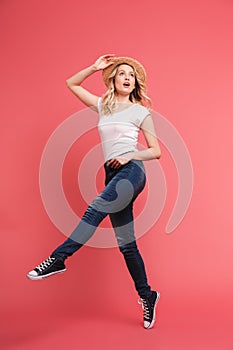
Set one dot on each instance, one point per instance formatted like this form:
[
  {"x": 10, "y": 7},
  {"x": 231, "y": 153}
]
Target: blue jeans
[{"x": 123, "y": 185}]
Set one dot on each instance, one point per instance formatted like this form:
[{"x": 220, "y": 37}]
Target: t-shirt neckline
[{"x": 125, "y": 109}]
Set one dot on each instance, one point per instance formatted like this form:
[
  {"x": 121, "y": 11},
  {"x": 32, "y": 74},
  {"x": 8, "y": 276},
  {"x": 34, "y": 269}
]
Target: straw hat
[{"x": 124, "y": 60}]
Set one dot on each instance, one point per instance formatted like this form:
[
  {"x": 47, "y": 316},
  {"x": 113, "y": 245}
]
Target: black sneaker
[
  {"x": 149, "y": 309},
  {"x": 47, "y": 268}
]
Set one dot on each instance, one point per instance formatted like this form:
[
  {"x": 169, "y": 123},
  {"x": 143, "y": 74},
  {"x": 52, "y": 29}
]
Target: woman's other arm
[{"x": 152, "y": 152}]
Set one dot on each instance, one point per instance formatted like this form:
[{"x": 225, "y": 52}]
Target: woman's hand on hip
[
  {"x": 117, "y": 162},
  {"x": 104, "y": 61}
]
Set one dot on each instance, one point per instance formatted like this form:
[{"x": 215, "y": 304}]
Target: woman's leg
[{"x": 123, "y": 224}]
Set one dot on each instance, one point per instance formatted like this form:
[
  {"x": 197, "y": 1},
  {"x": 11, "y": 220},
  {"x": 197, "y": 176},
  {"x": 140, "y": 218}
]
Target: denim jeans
[{"x": 122, "y": 186}]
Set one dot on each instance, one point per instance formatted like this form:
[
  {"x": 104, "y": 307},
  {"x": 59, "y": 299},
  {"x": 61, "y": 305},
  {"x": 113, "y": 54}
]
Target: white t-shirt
[{"x": 119, "y": 131}]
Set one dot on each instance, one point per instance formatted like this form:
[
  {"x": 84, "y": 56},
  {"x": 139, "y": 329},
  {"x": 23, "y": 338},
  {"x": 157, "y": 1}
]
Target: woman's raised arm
[{"x": 74, "y": 82}]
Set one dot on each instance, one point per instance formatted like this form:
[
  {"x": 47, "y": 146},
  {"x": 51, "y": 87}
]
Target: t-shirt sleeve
[{"x": 141, "y": 115}]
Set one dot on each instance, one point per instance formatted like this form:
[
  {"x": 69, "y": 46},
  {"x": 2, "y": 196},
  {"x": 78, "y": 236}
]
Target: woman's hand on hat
[
  {"x": 104, "y": 61},
  {"x": 117, "y": 162}
]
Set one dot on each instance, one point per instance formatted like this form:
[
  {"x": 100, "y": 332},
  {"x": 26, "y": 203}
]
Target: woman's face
[{"x": 124, "y": 79}]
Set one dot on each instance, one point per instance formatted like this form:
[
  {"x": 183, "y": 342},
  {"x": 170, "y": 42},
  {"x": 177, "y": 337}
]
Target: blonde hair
[{"x": 138, "y": 95}]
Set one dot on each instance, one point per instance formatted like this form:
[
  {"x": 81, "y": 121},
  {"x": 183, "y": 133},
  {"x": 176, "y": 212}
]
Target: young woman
[{"x": 123, "y": 112}]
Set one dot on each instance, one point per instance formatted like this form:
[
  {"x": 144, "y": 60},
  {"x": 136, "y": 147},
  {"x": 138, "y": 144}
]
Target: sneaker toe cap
[
  {"x": 32, "y": 273},
  {"x": 148, "y": 324}
]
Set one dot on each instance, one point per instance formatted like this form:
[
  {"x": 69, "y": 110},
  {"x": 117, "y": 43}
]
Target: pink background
[{"x": 186, "y": 47}]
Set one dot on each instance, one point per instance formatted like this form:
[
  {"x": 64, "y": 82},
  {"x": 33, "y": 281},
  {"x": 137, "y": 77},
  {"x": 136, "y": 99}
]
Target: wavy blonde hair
[{"x": 138, "y": 95}]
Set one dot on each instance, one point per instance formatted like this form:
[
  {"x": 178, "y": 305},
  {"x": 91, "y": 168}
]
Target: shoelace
[
  {"x": 45, "y": 264},
  {"x": 145, "y": 307}
]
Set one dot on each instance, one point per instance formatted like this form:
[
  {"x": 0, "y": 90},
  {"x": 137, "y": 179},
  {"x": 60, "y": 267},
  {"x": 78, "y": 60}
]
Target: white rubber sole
[
  {"x": 154, "y": 317},
  {"x": 37, "y": 278}
]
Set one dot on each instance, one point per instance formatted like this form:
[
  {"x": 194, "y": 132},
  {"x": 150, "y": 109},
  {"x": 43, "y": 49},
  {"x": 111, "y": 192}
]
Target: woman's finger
[
  {"x": 109, "y": 55},
  {"x": 106, "y": 57}
]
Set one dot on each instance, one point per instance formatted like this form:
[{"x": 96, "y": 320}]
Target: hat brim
[{"x": 124, "y": 60}]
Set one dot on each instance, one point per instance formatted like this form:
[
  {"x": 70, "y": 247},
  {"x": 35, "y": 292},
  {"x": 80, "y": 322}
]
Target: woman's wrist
[
  {"x": 131, "y": 155},
  {"x": 94, "y": 68}
]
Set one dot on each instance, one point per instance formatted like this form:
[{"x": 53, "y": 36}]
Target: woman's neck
[{"x": 123, "y": 99}]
